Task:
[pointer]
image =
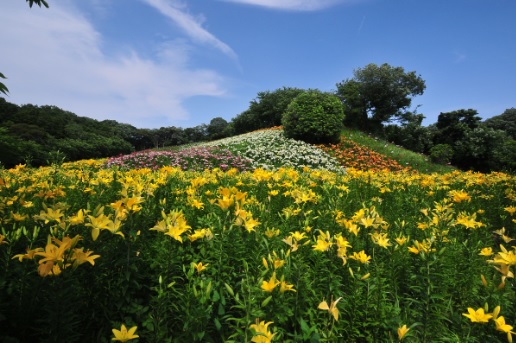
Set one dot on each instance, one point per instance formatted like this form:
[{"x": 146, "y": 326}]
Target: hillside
[{"x": 269, "y": 149}]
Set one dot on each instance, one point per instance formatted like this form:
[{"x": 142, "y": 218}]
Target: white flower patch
[{"x": 271, "y": 149}]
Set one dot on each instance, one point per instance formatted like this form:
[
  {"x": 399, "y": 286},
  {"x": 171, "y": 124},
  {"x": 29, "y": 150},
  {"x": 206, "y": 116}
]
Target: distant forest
[{"x": 29, "y": 133}]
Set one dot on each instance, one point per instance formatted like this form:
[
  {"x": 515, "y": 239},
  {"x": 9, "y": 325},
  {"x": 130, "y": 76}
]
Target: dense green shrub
[
  {"x": 441, "y": 153},
  {"x": 314, "y": 117}
]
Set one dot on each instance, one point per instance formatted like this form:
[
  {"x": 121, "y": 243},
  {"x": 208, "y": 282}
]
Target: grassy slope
[{"x": 403, "y": 156}]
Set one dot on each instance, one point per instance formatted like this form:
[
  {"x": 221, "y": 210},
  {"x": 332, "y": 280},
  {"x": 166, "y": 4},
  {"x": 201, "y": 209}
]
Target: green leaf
[
  {"x": 266, "y": 301},
  {"x": 230, "y": 290},
  {"x": 218, "y": 325},
  {"x": 3, "y": 88}
]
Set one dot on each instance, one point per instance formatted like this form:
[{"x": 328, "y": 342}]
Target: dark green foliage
[
  {"x": 505, "y": 154},
  {"x": 218, "y": 128},
  {"x": 266, "y": 110},
  {"x": 416, "y": 138},
  {"x": 28, "y": 133},
  {"x": 475, "y": 145},
  {"x": 482, "y": 148},
  {"x": 14, "y": 150},
  {"x": 314, "y": 117},
  {"x": 505, "y": 121},
  {"x": 441, "y": 153},
  {"x": 452, "y": 126},
  {"x": 410, "y": 134},
  {"x": 377, "y": 94},
  {"x": 3, "y": 88},
  {"x": 37, "y": 2},
  {"x": 197, "y": 133}
]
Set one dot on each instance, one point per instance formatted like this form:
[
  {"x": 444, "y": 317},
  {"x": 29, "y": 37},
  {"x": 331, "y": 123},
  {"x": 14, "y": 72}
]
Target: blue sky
[{"x": 155, "y": 63}]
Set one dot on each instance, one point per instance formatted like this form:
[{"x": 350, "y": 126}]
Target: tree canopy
[
  {"x": 378, "y": 94},
  {"x": 218, "y": 128},
  {"x": 505, "y": 121},
  {"x": 314, "y": 117},
  {"x": 266, "y": 110},
  {"x": 452, "y": 126}
]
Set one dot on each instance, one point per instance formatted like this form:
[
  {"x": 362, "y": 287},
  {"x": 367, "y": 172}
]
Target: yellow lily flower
[
  {"x": 268, "y": 286},
  {"x": 298, "y": 235},
  {"x": 29, "y": 255},
  {"x": 124, "y": 335},
  {"x": 402, "y": 331},
  {"x": 332, "y": 308},
  {"x": 401, "y": 240},
  {"x": 271, "y": 232},
  {"x": 262, "y": 333},
  {"x": 501, "y": 326},
  {"x": 478, "y": 316},
  {"x": 380, "y": 239},
  {"x": 459, "y": 196},
  {"x": 361, "y": 256},
  {"x": 200, "y": 267},
  {"x": 510, "y": 209},
  {"x": 77, "y": 219},
  {"x": 80, "y": 256},
  {"x": 486, "y": 251},
  {"x": 250, "y": 224},
  {"x": 322, "y": 245},
  {"x": 285, "y": 286},
  {"x": 291, "y": 242}
]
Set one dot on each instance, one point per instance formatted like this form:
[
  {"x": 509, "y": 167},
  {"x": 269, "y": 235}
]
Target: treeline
[
  {"x": 37, "y": 135},
  {"x": 462, "y": 139}
]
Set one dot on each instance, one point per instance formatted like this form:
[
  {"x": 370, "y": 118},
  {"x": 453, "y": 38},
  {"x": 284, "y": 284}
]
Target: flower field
[{"x": 255, "y": 252}]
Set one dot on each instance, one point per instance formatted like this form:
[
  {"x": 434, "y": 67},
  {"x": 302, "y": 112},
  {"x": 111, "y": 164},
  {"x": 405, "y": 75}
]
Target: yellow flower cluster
[
  {"x": 480, "y": 316},
  {"x": 58, "y": 255}
]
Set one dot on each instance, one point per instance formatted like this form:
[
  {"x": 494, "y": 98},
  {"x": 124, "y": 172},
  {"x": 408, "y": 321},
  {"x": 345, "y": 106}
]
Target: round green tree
[{"x": 314, "y": 117}]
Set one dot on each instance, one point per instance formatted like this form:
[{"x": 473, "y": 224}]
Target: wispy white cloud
[
  {"x": 362, "y": 22},
  {"x": 291, "y": 5},
  {"x": 55, "y": 57},
  {"x": 459, "y": 56},
  {"x": 176, "y": 11}
]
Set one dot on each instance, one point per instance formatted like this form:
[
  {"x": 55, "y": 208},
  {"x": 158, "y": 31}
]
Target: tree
[
  {"x": 266, "y": 110},
  {"x": 3, "y": 88},
  {"x": 197, "y": 133},
  {"x": 480, "y": 149},
  {"x": 377, "y": 94},
  {"x": 218, "y": 128},
  {"x": 505, "y": 155},
  {"x": 14, "y": 150},
  {"x": 244, "y": 122},
  {"x": 314, "y": 117},
  {"x": 505, "y": 122},
  {"x": 453, "y": 126},
  {"x": 410, "y": 134}
]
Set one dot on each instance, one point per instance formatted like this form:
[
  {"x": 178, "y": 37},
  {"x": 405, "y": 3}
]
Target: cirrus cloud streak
[{"x": 55, "y": 57}]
